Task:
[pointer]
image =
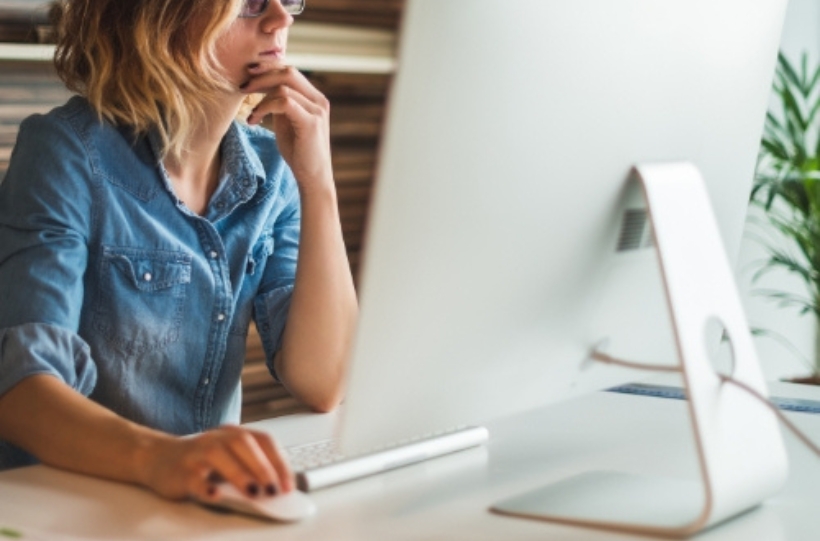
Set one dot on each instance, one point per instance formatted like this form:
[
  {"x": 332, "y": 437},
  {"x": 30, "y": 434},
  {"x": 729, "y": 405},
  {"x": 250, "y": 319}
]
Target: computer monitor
[{"x": 499, "y": 249}]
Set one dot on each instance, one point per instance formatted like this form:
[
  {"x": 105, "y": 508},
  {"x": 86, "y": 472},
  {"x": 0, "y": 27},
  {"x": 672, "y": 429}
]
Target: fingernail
[
  {"x": 253, "y": 489},
  {"x": 211, "y": 490},
  {"x": 270, "y": 489}
]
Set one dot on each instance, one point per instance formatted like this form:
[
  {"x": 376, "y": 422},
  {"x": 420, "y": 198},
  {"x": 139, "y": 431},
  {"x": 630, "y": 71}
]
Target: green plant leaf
[
  {"x": 786, "y": 70},
  {"x": 786, "y": 343},
  {"x": 787, "y": 183}
]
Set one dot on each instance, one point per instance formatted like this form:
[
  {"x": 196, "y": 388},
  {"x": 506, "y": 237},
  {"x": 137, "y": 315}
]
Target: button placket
[{"x": 214, "y": 255}]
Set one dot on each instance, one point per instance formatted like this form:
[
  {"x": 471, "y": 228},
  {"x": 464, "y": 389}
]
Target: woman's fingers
[
  {"x": 265, "y": 78},
  {"x": 222, "y": 460},
  {"x": 284, "y": 88},
  {"x": 282, "y": 101},
  {"x": 200, "y": 483},
  {"x": 276, "y": 455},
  {"x": 246, "y": 448},
  {"x": 249, "y": 461}
]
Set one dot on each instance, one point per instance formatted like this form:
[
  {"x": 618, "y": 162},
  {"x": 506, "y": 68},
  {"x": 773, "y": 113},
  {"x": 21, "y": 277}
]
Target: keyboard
[
  {"x": 666, "y": 391},
  {"x": 321, "y": 464}
]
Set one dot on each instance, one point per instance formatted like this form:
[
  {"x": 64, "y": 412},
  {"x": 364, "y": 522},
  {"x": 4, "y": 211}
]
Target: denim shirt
[{"x": 111, "y": 284}]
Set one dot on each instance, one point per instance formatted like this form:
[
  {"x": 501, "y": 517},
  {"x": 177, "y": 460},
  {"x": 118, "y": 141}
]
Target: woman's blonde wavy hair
[{"x": 149, "y": 64}]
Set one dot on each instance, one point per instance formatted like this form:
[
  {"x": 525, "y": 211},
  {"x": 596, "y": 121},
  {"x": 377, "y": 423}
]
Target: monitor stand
[{"x": 740, "y": 450}]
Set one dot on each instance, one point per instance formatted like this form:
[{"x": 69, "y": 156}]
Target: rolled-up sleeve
[
  {"x": 45, "y": 214},
  {"x": 272, "y": 303},
  {"x": 39, "y": 348}
]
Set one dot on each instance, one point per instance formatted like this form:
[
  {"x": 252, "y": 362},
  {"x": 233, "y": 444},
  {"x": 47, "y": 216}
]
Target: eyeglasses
[{"x": 255, "y": 8}]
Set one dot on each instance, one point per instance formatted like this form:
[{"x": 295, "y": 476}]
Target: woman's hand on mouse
[{"x": 180, "y": 467}]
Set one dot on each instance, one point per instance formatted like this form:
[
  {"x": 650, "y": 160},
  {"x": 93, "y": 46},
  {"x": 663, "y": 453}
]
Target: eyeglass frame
[{"x": 300, "y": 9}]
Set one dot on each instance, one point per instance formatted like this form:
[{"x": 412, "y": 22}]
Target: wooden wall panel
[
  {"x": 25, "y": 88},
  {"x": 23, "y": 21},
  {"x": 377, "y": 13}
]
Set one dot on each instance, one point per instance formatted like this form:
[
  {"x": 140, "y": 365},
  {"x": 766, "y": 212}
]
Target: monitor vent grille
[{"x": 635, "y": 231}]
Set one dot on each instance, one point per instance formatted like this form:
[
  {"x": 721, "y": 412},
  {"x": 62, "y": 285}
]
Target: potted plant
[{"x": 787, "y": 185}]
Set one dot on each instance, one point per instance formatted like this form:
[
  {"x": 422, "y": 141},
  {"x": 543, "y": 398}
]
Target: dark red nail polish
[
  {"x": 270, "y": 489},
  {"x": 211, "y": 490},
  {"x": 253, "y": 489}
]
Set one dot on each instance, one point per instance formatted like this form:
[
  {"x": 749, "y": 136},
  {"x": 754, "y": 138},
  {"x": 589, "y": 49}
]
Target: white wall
[
  {"x": 802, "y": 30},
  {"x": 801, "y": 33}
]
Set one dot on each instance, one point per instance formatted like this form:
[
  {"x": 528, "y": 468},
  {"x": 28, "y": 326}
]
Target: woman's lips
[{"x": 275, "y": 53}]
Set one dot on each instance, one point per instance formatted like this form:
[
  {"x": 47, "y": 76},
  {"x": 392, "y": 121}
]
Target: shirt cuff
[
  {"x": 39, "y": 348},
  {"x": 271, "y": 315}
]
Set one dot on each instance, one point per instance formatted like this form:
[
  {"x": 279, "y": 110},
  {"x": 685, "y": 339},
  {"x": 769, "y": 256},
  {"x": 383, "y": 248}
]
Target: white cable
[
  {"x": 608, "y": 359},
  {"x": 604, "y": 358}
]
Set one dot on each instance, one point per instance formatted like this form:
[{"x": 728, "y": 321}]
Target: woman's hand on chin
[{"x": 301, "y": 121}]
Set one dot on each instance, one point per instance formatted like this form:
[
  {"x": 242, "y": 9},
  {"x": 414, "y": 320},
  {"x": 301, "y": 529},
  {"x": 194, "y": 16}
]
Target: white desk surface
[{"x": 442, "y": 499}]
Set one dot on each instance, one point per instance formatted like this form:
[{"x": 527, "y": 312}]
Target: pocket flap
[{"x": 151, "y": 270}]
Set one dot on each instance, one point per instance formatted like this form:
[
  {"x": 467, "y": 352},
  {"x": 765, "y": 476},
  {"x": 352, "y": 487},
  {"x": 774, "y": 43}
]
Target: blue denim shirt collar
[{"x": 241, "y": 173}]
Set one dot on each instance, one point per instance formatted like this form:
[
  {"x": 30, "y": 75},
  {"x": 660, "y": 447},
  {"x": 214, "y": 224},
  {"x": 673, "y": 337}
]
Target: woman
[{"x": 142, "y": 227}]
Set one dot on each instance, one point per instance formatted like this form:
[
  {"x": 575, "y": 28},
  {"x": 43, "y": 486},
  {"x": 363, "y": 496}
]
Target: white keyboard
[{"x": 320, "y": 464}]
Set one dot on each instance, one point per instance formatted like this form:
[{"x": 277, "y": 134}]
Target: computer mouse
[{"x": 290, "y": 507}]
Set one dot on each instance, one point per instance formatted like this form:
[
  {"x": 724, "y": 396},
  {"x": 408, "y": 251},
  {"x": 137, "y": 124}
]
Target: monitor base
[
  {"x": 741, "y": 454},
  {"x": 614, "y": 501}
]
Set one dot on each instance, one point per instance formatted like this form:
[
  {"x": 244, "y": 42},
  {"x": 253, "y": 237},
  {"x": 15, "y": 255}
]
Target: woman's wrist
[
  {"x": 149, "y": 449},
  {"x": 319, "y": 189},
  {"x": 318, "y": 205}
]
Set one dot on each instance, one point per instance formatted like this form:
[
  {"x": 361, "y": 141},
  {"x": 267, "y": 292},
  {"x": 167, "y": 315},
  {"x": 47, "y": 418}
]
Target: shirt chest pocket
[
  {"x": 141, "y": 298},
  {"x": 260, "y": 253}
]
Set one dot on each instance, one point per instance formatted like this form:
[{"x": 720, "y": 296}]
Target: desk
[{"x": 442, "y": 499}]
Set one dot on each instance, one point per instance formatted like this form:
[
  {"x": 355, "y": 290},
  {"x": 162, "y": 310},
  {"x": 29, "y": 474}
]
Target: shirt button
[
  {"x": 220, "y": 317},
  {"x": 213, "y": 254},
  {"x": 206, "y": 381},
  {"x": 147, "y": 277}
]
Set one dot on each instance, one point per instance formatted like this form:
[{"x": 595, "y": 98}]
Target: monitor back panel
[{"x": 491, "y": 257}]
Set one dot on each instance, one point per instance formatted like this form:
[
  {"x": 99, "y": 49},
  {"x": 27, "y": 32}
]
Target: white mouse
[{"x": 291, "y": 507}]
